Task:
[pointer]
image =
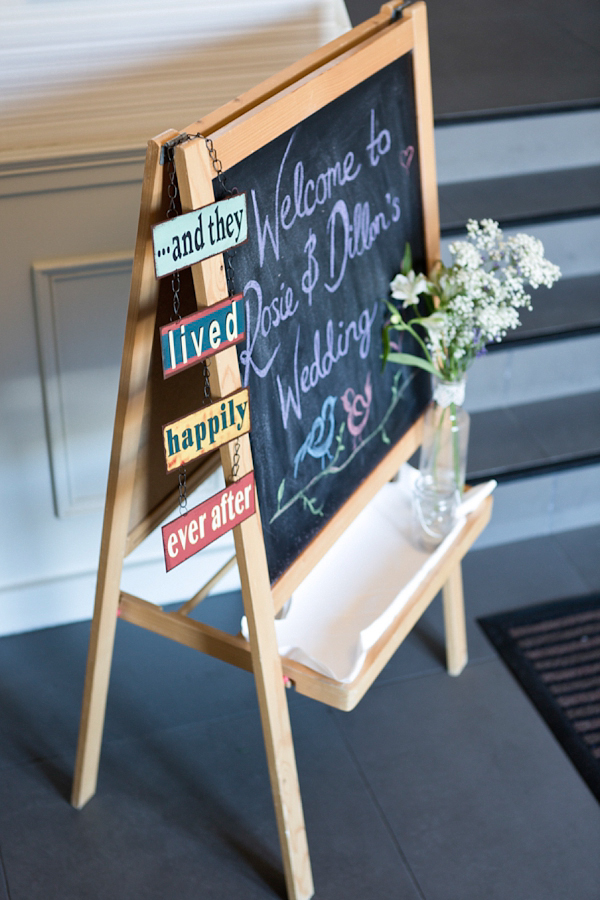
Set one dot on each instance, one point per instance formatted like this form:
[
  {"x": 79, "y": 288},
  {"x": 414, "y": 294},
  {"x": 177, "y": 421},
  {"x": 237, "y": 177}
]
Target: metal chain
[
  {"x": 206, "y": 373},
  {"x": 173, "y": 193},
  {"x": 218, "y": 167},
  {"x": 235, "y": 468},
  {"x": 182, "y": 492}
]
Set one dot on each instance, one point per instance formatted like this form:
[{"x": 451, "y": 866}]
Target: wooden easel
[{"x": 130, "y": 515}]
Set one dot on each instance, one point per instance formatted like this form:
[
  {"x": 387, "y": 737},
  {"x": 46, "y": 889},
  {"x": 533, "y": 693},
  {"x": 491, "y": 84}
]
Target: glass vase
[{"x": 443, "y": 462}]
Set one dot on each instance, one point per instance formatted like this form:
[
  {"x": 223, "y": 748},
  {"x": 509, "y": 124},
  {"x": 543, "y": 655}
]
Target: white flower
[
  {"x": 478, "y": 297},
  {"x": 466, "y": 256},
  {"x": 527, "y": 253},
  {"x": 435, "y": 325},
  {"x": 408, "y": 287}
]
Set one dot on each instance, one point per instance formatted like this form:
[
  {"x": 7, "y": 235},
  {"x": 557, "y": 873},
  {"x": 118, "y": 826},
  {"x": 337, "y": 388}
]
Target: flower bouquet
[{"x": 452, "y": 314}]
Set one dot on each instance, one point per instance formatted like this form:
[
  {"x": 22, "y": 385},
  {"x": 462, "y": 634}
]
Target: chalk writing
[{"x": 332, "y": 203}]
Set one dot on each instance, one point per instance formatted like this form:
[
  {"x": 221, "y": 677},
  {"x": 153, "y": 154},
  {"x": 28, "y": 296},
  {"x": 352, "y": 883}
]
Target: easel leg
[
  {"x": 281, "y": 759},
  {"x": 274, "y": 713},
  {"x": 94, "y": 698},
  {"x": 133, "y": 385},
  {"x": 454, "y": 623}
]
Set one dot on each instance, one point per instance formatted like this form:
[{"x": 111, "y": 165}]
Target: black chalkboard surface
[{"x": 331, "y": 204}]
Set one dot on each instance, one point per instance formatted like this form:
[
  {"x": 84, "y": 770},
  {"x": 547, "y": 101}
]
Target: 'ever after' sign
[
  {"x": 331, "y": 203},
  {"x": 200, "y": 526}
]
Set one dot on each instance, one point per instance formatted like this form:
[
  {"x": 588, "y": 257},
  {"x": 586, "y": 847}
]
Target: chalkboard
[{"x": 331, "y": 204}]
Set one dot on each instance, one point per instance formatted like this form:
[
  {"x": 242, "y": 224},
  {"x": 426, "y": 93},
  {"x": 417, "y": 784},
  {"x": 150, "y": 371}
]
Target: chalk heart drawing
[{"x": 406, "y": 157}]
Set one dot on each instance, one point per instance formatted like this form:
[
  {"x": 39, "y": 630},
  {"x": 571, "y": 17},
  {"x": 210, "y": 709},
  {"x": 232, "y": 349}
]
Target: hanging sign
[
  {"x": 187, "y": 239},
  {"x": 190, "y": 533},
  {"x": 190, "y": 340},
  {"x": 206, "y": 429}
]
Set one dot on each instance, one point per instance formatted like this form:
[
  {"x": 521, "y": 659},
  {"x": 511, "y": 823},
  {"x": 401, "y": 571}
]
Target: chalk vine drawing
[{"x": 332, "y": 468}]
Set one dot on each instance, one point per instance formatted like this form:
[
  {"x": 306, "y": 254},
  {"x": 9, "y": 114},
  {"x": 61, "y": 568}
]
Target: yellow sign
[{"x": 206, "y": 429}]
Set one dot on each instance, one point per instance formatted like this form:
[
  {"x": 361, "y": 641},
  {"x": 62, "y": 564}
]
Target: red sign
[{"x": 190, "y": 533}]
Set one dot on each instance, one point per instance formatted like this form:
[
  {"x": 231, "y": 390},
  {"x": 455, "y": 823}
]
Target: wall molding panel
[
  {"x": 94, "y": 168},
  {"x": 83, "y": 87},
  {"x": 81, "y": 305}
]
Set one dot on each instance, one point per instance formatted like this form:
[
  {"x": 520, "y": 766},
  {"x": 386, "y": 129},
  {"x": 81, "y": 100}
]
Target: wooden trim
[
  {"x": 346, "y": 696},
  {"x": 284, "y": 587},
  {"x": 417, "y": 16},
  {"x": 247, "y": 134},
  {"x": 194, "y": 174},
  {"x": 219, "y": 644},
  {"x": 128, "y": 422},
  {"x": 290, "y": 76},
  {"x": 454, "y": 622}
]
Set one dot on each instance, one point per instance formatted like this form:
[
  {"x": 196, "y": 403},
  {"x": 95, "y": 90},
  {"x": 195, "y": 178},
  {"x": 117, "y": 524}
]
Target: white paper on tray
[{"x": 349, "y": 599}]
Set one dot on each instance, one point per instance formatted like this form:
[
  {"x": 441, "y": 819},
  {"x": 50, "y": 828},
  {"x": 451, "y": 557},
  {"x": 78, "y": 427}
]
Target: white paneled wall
[
  {"x": 88, "y": 75},
  {"x": 82, "y": 88}
]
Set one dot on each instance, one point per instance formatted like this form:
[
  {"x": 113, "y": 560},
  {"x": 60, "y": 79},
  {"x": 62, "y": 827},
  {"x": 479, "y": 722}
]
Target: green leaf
[
  {"x": 385, "y": 438},
  {"x": 407, "y": 359},
  {"x": 386, "y": 346},
  {"x": 280, "y": 492},
  {"x": 407, "y": 260}
]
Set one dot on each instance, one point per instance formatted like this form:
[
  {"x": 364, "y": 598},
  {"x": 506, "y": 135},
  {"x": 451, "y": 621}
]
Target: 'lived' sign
[
  {"x": 184, "y": 240},
  {"x": 202, "y": 334},
  {"x": 206, "y": 429},
  {"x": 190, "y": 533}
]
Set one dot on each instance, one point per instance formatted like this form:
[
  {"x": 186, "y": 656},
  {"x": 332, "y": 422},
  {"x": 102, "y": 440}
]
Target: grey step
[
  {"x": 517, "y": 145},
  {"x": 501, "y": 56},
  {"x": 533, "y": 438},
  {"x": 571, "y": 308},
  {"x": 534, "y": 372},
  {"x": 519, "y": 199},
  {"x": 547, "y": 504},
  {"x": 573, "y": 244}
]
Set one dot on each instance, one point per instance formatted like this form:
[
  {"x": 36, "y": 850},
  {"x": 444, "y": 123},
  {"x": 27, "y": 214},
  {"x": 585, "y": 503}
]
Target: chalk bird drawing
[
  {"x": 320, "y": 437},
  {"x": 358, "y": 407}
]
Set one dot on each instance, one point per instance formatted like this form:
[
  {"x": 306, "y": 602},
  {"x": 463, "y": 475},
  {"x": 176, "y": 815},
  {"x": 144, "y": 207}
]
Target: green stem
[
  {"x": 437, "y": 443},
  {"x": 455, "y": 446}
]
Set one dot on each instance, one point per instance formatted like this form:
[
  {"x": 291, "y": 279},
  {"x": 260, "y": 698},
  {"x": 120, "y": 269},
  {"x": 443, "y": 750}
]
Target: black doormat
[{"x": 553, "y": 650}]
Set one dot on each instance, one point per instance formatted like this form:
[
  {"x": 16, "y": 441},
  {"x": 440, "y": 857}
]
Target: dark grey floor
[
  {"x": 434, "y": 787},
  {"x": 505, "y": 56}
]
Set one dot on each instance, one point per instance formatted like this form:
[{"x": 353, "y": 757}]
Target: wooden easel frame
[{"x": 239, "y": 129}]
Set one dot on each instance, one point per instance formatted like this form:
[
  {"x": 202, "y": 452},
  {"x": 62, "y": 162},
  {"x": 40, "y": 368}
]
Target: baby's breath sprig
[{"x": 472, "y": 302}]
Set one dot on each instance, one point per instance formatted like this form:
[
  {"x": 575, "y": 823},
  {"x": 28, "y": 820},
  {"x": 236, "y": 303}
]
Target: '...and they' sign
[{"x": 187, "y": 239}]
